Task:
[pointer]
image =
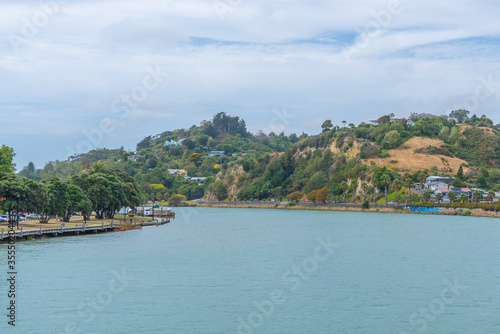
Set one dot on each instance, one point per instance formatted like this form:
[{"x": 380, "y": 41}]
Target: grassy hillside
[{"x": 350, "y": 160}]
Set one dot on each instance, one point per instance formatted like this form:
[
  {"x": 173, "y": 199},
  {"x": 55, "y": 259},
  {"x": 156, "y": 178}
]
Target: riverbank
[{"x": 351, "y": 208}]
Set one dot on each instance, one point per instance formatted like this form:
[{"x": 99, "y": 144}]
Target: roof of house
[
  {"x": 444, "y": 190},
  {"x": 466, "y": 190}
]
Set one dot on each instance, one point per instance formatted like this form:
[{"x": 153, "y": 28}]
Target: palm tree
[
  {"x": 385, "y": 179},
  {"x": 409, "y": 182},
  {"x": 371, "y": 190},
  {"x": 397, "y": 184},
  {"x": 439, "y": 197},
  {"x": 491, "y": 195},
  {"x": 422, "y": 178},
  {"x": 364, "y": 187},
  {"x": 354, "y": 186},
  {"x": 477, "y": 196},
  {"x": 451, "y": 195},
  {"x": 97, "y": 168},
  {"x": 344, "y": 187},
  {"x": 427, "y": 196},
  {"x": 463, "y": 198}
]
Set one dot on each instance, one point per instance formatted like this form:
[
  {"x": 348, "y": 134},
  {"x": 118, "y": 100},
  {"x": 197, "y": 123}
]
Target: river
[{"x": 227, "y": 271}]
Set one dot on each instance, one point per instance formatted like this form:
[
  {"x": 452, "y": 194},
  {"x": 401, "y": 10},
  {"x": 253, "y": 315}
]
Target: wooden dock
[{"x": 74, "y": 230}]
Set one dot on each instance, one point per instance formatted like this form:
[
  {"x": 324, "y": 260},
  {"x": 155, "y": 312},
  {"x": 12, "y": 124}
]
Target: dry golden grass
[
  {"x": 463, "y": 127},
  {"x": 407, "y": 159}
]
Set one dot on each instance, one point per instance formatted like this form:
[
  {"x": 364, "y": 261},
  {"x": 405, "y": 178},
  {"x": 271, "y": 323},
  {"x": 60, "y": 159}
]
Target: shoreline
[{"x": 479, "y": 213}]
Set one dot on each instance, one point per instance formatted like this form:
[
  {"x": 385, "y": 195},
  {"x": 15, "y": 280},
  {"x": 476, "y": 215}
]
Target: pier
[{"x": 74, "y": 230}]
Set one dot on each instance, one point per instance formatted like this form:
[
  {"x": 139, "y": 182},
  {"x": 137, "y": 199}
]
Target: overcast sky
[{"x": 81, "y": 74}]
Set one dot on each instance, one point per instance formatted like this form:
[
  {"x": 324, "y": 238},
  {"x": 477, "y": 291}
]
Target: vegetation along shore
[{"x": 446, "y": 161}]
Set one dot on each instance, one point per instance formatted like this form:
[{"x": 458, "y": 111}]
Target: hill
[{"x": 348, "y": 160}]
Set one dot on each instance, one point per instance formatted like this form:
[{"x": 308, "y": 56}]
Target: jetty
[{"x": 73, "y": 230}]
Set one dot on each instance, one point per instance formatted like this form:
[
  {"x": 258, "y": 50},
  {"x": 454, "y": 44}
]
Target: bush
[
  {"x": 365, "y": 205},
  {"x": 467, "y": 213}
]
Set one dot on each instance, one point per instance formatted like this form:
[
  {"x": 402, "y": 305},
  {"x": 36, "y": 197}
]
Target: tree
[
  {"x": 451, "y": 195},
  {"x": 354, "y": 187},
  {"x": 460, "y": 173},
  {"x": 364, "y": 187},
  {"x": 391, "y": 140},
  {"x": 344, "y": 187},
  {"x": 311, "y": 196},
  {"x": 6, "y": 160},
  {"x": 477, "y": 196},
  {"x": 371, "y": 190},
  {"x": 439, "y": 197},
  {"x": 196, "y": 158},
  {"x": 422, "y": 178},
  {"x": 463, "y": 198},
  {"x": 460, "y": 115},
  {"x": 426, "y": 196},
  {"x": 327, "y": 125},
  {"x": 397, "y": 185},
  {"x": 409, "y": 181},
  {"x": 481, "y": 182},
  {"x": 176, "y": 200},
  {"x": 322, "y": 195},
  {"x": 219, "y": 189},
  {"x": 491, "y": 195},
  {"x": 143, "y": 144},
  {"x": 386, "y": 180},
  {"x": 295, "y": 196}
]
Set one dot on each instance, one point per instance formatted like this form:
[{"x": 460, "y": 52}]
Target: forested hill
[{"x": 262, "y": 166}]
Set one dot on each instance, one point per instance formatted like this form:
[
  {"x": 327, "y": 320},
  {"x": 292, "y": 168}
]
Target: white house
[{"x": 438, "y": 185}]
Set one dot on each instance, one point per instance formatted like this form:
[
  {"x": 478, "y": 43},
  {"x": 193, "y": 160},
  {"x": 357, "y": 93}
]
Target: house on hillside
[
  {"x": 177, "y": 172},
  {"x": 434, "y": 182},
  {"x": 216, "y": 154},
  {"x": 171, "y": 143},
  {"x": 438, "y": 185},
  {"x": 460, "y": 191}
]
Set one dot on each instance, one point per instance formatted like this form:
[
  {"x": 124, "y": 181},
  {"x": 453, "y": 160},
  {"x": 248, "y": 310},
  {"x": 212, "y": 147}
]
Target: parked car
[
  {"x": 33, "y": 216},
  {"x": 4, "y": 218}
]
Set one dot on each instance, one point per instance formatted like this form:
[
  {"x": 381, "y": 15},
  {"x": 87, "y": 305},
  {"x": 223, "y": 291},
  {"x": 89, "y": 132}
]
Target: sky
[{"x": 79, "y": 75}]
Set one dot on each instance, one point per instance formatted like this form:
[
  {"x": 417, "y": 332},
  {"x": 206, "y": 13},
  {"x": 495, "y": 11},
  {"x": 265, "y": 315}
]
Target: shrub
[
  {"x": 365, "y": 205},
  {"x": 467, "y": 213}
]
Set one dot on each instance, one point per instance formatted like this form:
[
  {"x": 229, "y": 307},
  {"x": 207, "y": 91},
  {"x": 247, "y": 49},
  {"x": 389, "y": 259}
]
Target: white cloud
[{"x": 263, "y": 55}]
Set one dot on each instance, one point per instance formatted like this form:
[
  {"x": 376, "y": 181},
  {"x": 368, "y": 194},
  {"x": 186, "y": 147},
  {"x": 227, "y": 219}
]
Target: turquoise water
[{"x": 265, "y": 271}]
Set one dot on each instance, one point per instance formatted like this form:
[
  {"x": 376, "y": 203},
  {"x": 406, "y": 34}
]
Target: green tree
[
  {"x": 463, "y": 198},
  {"x": 426, "y": 196},
  {"x": 439, "y": 197},
  {"x": 491, "y": 196},
  {"x": 397, "y": 184},
  {"x": 6, "y": 160},
  {"x": 409, "y": 182},
  {"x": 364, "y": 187},
  {"x": 176, "y": 200},
  {"x": 327, "y": 125},
  {"x": 344, "y": 187},
  {"x": 219, "y": 189},
  {"x": 391, "y": 140},
  {"x": 451, "y": 195},
  {"x": 477, "y": 196},
  {"x": 386, "y": 180},
  {"x": 481, "y": 182},
  {"x": 460, "y": 115},
  {"x": 460, "y": 173}
]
